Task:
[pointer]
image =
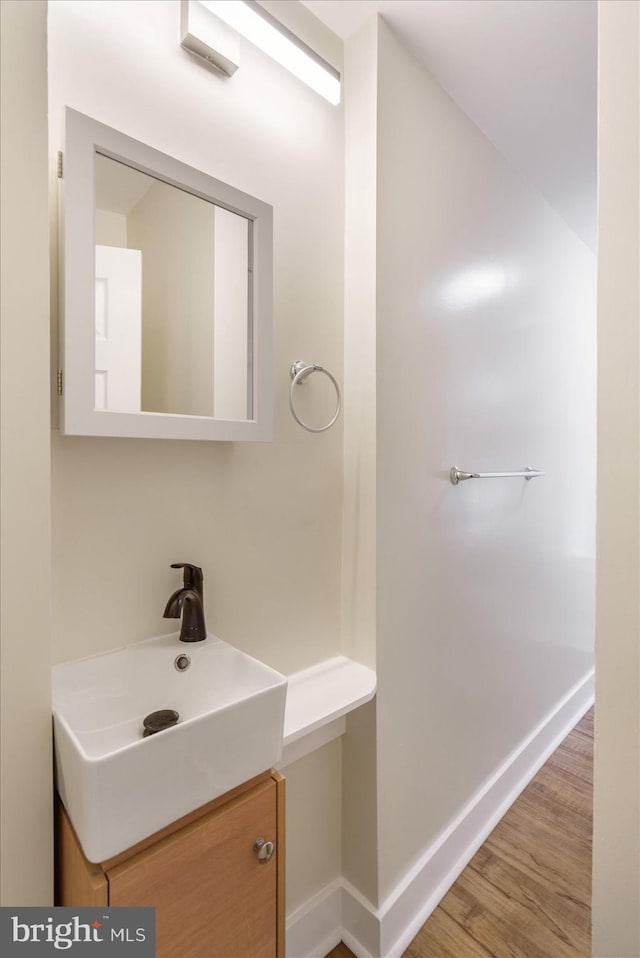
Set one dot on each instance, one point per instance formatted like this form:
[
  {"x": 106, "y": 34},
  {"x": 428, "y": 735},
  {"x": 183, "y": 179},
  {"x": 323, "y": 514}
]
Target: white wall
[
  {"x": 313, "y": 824},
  {"x": 616, "y": 863},
  {"x": 26, "y": 864},
  {"x": 485, "y": 360},
  {"x": 111, "y": 228},
  {"x": 263, "y": 520}
]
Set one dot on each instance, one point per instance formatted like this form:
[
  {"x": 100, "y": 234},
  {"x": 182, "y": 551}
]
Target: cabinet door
[{"x": 213, "y": 898}]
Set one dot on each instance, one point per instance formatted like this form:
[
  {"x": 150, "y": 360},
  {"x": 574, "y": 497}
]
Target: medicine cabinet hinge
[
  {"x": 59, "y": 164},
  {"x": 59, "y": 382}
]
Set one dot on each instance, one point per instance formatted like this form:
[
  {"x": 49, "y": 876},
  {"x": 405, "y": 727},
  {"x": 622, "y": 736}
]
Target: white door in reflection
[{"x": 118, "y": 329}]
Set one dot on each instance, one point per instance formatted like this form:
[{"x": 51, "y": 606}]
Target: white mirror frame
[{"x": 78, "y": 415}]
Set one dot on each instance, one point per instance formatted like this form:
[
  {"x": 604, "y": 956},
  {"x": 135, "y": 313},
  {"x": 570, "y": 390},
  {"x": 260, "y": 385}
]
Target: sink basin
[{"x": 117, "y": 786}]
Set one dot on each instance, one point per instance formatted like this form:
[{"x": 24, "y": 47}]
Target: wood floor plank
[
  {"x": 576, "y": 759},
  {"x": 582, "y": 742},
  {"x": 341, "y": 951},
  {"x": 578, "y": 765},
  {"x": 566, "y": 789},
  {"x": 540, "y": 805},
  {"x": 587, "y": 721},
  {"x": 445, "y": 938},
  {"x": 506, "y": 928},
  {"x": 567, "y": 876},
  {"x": 566, "y": 915}
]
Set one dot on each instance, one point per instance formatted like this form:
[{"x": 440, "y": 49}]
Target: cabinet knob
[{"x": 264, "y": 850}]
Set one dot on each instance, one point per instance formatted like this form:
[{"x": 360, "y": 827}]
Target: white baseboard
[
  {"x": 340, "y": 912},
  {"x": 316, "y": 926}
]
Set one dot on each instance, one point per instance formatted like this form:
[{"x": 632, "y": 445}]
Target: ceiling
[{"x": 525, "y": 71}]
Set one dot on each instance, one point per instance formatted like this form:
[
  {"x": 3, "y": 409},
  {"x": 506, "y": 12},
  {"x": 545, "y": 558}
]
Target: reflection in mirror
[{"x": 173, "y": 323}]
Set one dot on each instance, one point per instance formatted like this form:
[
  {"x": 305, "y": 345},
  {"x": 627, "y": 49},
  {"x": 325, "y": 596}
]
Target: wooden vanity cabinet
[{"x": 213, "y": 897}]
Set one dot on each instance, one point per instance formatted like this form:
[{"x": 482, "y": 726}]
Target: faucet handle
[{"x": 193, "y": 577}]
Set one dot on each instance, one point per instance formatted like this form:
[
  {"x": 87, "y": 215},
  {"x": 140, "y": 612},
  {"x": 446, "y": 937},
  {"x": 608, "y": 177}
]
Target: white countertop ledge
[{"x": 320, "y": 696}]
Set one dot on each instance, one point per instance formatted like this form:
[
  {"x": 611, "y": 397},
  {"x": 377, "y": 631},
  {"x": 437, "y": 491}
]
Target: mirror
[
  {"x": 172, "y": 317},
  {"x": 166, "y": 275}
]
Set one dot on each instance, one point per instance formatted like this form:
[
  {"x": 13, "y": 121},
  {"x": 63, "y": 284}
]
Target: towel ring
[{"x": 300, "y": 371}]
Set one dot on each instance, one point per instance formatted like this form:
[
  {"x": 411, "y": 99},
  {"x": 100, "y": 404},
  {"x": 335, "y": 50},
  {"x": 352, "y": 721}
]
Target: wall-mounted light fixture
[{"x": 253, "y": 22}]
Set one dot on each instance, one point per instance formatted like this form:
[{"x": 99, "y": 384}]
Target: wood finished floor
[{"x": 527, "y": 892}]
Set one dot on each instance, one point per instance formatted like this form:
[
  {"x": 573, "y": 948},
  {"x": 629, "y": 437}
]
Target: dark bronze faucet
[{"x": 189, "y": 601}]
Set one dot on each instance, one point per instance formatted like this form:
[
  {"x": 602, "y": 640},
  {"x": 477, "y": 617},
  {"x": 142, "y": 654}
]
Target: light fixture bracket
[{"x": 205, "y": 36}]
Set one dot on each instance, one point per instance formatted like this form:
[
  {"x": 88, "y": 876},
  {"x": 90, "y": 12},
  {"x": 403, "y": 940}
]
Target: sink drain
[{"x": 159, "y": 721}]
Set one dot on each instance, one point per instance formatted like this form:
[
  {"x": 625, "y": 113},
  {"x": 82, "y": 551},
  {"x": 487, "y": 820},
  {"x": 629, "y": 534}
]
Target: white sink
[{"x": 119, "y": 787}]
